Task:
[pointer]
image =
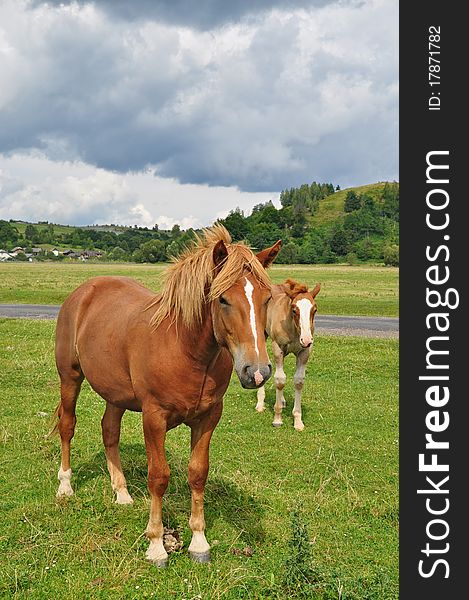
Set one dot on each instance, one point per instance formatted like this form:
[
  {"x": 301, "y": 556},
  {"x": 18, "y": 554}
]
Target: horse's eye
[
  {"x": 223, "y": 301},
  {"x": 268, "y": 300}
]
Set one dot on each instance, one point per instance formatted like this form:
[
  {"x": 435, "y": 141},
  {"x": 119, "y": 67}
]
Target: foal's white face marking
[
  {"x": 248, "y": 289},
  {"x": 305, "y": 307}
]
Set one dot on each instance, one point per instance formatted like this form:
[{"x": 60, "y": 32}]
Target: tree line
[{"x": 366, "y": 230}]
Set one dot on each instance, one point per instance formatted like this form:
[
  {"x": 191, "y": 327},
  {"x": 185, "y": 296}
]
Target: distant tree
[
  {"x": 351, "y": 258},
  {"x": 237, "y": 224},
  {"x": 391, "y": 255},
  {"x": 153, "y": 251},
  {"x": 368, "y": 248},
  {"x": 339, "y": 242},
  {"x": 31, "y": 233},
  {"x": 8, "y": 234},
  {"x": 264, "y": 234},
  {"x": 118, "y": 254},
  {"x": 289, "y": 254},
  {"x": 352, "y": 202},
  {"x": 390, "y": 199}
]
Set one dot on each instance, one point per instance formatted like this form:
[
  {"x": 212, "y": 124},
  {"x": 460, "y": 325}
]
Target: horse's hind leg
[
  {"x": 111, "y": 428},
  {"x": 70, "y": 385}
]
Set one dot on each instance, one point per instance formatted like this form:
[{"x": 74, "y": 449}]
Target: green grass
[
  {"x": 346, "y": 290},
  {"x": 58, "y": 229},
  {"x": 332, "y": 207},
  {"x": 340, "y": 474}
]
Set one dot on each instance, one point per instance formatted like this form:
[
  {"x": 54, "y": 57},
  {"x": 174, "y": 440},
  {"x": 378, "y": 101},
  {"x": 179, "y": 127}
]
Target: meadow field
[
  {"x": 346, "y": 290},
  {"x": 317, "y": 510},
  {"x": 340, "y": 474}
]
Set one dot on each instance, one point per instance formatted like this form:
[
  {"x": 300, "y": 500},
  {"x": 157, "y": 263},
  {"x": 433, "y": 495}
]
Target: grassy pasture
[
  {"x": 341, "y": 472},
  {"x": 346, "y": 290}
]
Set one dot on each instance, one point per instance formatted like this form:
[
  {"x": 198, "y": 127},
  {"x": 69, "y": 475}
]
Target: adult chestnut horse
[{"x": 169, "y": 356}]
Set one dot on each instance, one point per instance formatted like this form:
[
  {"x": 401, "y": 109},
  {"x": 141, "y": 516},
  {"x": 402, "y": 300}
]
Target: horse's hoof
[
  {"x": 200, "y": 557},
  {"x": 277, "y": 424},
  {"x": 161, "y": 564},
  {"x": 260, "y": 409},
  {"x": 123, "y": 497}
]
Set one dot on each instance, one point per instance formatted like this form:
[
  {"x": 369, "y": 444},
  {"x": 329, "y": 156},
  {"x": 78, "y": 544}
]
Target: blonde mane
[{"x": 193, "y": 280}]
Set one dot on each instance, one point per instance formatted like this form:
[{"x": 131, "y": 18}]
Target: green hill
[{"x": 332, "y": 207}]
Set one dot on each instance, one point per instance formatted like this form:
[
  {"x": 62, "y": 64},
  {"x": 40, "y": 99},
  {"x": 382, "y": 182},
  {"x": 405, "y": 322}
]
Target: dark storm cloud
[
  {"x": 202, "y": 14},
  {"x": 259, "y": 104}
]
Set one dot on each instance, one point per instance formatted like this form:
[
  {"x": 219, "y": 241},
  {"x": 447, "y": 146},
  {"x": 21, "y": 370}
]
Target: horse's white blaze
[
  {"x": 305, "y": 307},
  {"x": 248, "y": 289}
]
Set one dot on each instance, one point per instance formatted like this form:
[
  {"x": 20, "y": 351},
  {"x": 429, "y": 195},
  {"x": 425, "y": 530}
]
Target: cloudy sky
[{"x": 176, "y": 111}]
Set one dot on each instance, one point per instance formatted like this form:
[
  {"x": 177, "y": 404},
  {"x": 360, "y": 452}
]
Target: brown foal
[
  {"x": 290, "y": 325},
  {"x": 169, "y": 356}
]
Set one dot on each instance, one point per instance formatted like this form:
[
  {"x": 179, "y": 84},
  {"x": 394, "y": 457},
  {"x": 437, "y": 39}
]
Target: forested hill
[
  {"x": 320, "y": 225},
  {"x": 317, "y": 223}
]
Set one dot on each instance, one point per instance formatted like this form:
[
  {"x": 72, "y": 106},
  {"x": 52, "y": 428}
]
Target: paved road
[{"x": 326, "y": 324}]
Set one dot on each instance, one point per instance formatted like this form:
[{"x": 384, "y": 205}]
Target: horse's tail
[{"x": 54, "y": 422}]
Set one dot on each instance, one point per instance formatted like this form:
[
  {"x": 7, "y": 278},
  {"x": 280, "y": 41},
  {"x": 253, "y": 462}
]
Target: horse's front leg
[
  {"x": 154, "y": 429},
  {"x": 260, "y": 406},
  {"x": 201, "y": 433},
  {"x": 298, "y": 381},
  {"x": 280, "y": 379}
]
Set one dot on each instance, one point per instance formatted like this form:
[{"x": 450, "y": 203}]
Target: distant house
[
  {"x": 36, "y": 250},
  {"x": 71, "y": 254},
  {"x": 17, "y": 251},
  {"x": 55, "y": 252},
  {"x": 4, "y": 256},
  {"x": 90, "y": 254},
  {"x": 85, "y": 255}
]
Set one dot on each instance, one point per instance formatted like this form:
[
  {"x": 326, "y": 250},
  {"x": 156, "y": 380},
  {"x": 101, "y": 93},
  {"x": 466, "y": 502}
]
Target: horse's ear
[
  {"x": 219, "y": 253},
  {"x": 315, "y": 292},
  {"x": 290, "y": 286},
  {"x": 266, "y": 257}
]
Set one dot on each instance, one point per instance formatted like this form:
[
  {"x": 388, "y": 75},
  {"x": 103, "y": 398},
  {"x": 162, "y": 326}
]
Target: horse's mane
[
  {"x": 193, "y": 280},
  {"x": 293, "y": 288}
]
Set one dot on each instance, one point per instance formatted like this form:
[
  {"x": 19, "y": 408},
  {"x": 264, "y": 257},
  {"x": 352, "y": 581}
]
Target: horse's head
[
  {"x": 303, "y": 308},
  {"x": 239, "y": 317}
]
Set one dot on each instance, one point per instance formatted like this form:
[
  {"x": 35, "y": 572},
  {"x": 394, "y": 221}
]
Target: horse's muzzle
[{"x": 253, "y": 376}]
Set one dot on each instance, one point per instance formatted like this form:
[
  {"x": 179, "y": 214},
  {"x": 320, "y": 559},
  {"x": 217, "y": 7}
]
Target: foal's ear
[
  {"x": 315, "y": 292},
  {"x": 219, "y": 253},
  {"x": 266, "y": 257}
]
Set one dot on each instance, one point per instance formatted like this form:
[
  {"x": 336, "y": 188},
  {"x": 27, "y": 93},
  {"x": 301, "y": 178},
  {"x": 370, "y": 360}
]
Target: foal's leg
[
  {"x": 299, "y": 380},
  {"x": 280, "y": 379},
  {"x": 154, "y": 429},
  {"x": 201, "y": 433},
  {"x": 69, "y": 389},
  {"x": 260, "y": 407},
  {"x": 111, "y": 428}
]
